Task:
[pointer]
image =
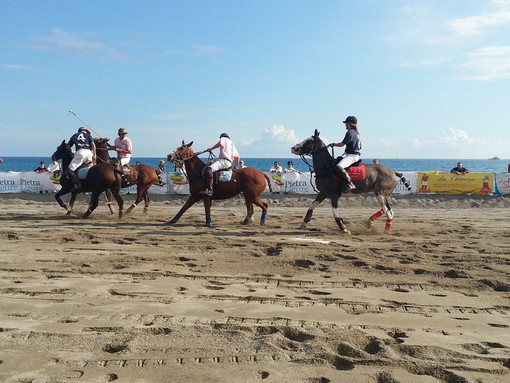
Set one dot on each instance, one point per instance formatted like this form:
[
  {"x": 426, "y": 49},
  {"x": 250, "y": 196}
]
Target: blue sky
[{"x": 426, "y": 79}]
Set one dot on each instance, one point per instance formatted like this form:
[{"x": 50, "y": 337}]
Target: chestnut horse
[
  {"x": 249, "y": 181},
  {"x": 143, "y": 176},
  {"x": 100, "y": 177},
  {"x": 379, "y": 179}
]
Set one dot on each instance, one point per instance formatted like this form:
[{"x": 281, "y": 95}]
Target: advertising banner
[
  {"x": 296, "y": 183},
  {"x": 450, "y": 183},
  {"x": 27, "y": 182},
  {"x": 503, "y": 183},
  {"x": 10, "y": 182}
]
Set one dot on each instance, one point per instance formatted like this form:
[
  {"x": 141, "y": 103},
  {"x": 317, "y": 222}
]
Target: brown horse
[
  {"x": 249, "y": 181},
  {"x": 379, "y": 179},
  {"x": 143, "y": 176},
  {"x": 100, "y": 177}
]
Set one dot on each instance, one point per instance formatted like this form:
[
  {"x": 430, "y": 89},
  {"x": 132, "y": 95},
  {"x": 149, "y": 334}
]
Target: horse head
[
  {"x": 61, "y": 152},
  {"x": 181, "y": 154},
  {"x": 102, "y": 149},
  {"x": 308, "y": 146}
]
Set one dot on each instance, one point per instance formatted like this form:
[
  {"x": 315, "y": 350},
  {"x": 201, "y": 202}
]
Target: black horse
[
  {"x": 100, "y": 178},
  {"x": 379, "y": 179}
]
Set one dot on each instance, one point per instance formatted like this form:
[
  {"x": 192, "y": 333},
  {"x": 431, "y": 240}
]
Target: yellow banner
[{"x": 450, "y": 183}]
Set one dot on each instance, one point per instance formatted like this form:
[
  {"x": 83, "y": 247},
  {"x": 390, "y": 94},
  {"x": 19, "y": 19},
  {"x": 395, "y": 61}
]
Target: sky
[{"x": 426, "y": 79}]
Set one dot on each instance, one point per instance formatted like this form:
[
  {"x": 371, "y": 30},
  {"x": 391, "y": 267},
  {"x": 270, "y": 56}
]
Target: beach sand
[{"x": 103, "y": 300}]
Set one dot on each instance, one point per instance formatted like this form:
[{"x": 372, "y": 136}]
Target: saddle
[
  {"x": 83, "y": 171},
  {"x": 357, "y": 171}
]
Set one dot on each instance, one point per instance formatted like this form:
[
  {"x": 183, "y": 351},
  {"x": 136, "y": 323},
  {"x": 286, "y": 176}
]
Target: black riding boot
[
  {"x": 74, "y": 177},
  {"x": 208, "y": 174},
  {"x": 348, "y": 185}
]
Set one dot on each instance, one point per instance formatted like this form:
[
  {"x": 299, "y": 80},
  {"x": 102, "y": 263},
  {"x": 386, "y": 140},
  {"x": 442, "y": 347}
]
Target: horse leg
[
  {"x": 147, "y": 201},
  {"x": 141, "y": 193},
  {"x": 249, "y": 211},
  {"x": 94, "y": 201},
  {"x": 389, "y": 218},
  {"x": 386, "y": 209},
  {"x": 59, "y": 200},
  {"x": 190, "y": 202},
  {"x": 264, "y": 206},
  {"x": 108, "y": 196},
  {"x": 207, "y": 208},
  {"x": 308, "y": 216},
  {"x": 71, "y": 203},
  {"x": 120, "y": 202},
  {"x": 339, "y": 221}
]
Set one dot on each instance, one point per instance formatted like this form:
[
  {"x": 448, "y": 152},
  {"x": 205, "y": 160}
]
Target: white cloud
[
  {"x": 279, "y": 133},
  {"x": 454, "y": 136},
  {"x": 479, "y": 24},
  {"x": 487, "y": 64},
  {"x": 62, "y": 41},
  {"x": 249, "y": 141},
  {"x": 21, "y": 68}
]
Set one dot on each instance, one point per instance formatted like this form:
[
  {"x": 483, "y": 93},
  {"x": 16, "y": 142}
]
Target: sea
[{"x": 26, "y": 164}]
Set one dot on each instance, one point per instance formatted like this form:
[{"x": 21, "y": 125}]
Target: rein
[
  {"x": 181, "y": 160},
  {"x": 310, "y": 166}
]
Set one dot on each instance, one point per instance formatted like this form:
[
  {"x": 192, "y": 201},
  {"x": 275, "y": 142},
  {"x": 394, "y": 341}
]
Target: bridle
[{"x": 311, "y": 153}]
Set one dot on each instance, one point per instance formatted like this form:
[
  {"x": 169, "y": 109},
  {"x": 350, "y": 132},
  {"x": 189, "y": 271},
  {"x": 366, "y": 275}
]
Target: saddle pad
[
  {"x": 225, "y": 175},
  {"x": 82, "y": 173},
  {"x": 357, "y": 173}
]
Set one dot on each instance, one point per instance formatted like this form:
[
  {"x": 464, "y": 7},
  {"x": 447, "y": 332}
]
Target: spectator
[
  {"x": 161, "y": 167},
  {"x": 54, "y": 168},
  {"x": 242, "y": 165},
  {"x": 376, "y": 162},
  {"x": 290, "y": 168},
  {"x": 459, "y": 169},
  {"x": 41, "y": 168},
  {"x": 276, "y": 168}
]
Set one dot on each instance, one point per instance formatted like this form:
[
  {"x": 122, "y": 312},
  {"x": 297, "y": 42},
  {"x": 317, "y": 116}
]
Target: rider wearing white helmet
[{"x": 123, "y": 146}]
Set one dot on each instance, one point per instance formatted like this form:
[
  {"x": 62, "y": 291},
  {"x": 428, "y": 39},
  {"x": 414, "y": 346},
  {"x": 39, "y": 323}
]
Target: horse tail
[
  {"x": 406, "y": 183},
  {"x": 268, "y": 182}
]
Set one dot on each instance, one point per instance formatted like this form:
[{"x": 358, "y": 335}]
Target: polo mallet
[{"x": 84, "y": 123}]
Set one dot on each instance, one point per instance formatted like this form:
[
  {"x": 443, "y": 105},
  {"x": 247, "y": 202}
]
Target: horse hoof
[
  {"x": 303, "y": 226},
  {"x": 247, "y": 221},
  {"x": 69, "y": 212},
  {"x": 370, "y": 223}
]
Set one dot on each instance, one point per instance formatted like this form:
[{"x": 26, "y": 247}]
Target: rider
[
  {"x": 123, "y": 146},
  {"x": 352, "y": 143},
  {"x": 85, "y": 153},
  {"x": 229, "y": 157}
]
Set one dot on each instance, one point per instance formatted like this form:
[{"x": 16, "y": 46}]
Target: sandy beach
[{"x": 102, "y": 300}]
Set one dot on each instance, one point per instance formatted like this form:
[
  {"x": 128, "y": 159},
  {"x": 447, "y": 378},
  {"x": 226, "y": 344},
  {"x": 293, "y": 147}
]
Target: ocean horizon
[{"x": 27, "y": 164}]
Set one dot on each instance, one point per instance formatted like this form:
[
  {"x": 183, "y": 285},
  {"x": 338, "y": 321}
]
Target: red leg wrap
[
  {"x": 376, "y": 215},
  {"x": 388, "y": 224}
]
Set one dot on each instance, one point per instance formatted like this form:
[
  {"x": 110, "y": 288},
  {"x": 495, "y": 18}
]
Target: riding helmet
[
  {"x": 351, "y": 120},
  {"x": 224, "y": 135},
  {"x": 82, "y": 129},
  {"x": 123, "y": 131}
]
